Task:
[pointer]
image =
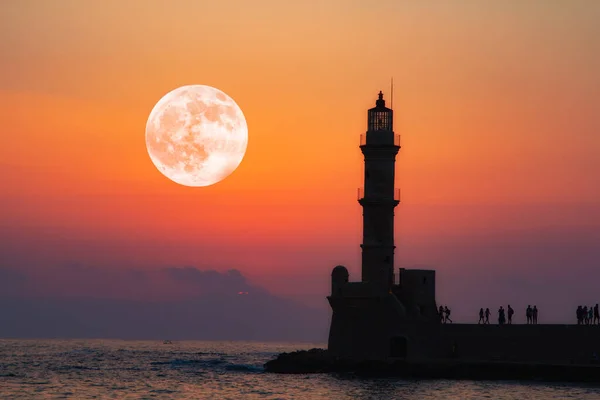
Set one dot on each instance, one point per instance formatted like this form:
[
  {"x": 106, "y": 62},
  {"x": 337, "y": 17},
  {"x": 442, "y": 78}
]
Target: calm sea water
[{"x": 112, "y": 369}]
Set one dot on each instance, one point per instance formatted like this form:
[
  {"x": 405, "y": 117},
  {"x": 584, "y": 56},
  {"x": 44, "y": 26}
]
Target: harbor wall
[
  {"x": 563, "y": 344},
  {"x": 379, "y": 328}
]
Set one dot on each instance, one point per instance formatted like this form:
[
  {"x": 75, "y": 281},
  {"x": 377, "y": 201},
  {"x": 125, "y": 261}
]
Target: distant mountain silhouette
[{"x": 220, "y": 314}]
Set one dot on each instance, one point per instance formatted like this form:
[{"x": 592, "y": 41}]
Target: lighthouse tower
[
  {"x": 375, "y": 318},
  {"x": 378, "y": 198}
]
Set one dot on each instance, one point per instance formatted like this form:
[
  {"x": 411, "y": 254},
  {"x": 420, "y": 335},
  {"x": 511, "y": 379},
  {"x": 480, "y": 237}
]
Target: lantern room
[{"x": 380, "y": 118}]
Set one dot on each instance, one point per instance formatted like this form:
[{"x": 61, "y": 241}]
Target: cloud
[
  {"x": 208, "y": 280},
  {"x": 75, "y": 279}
]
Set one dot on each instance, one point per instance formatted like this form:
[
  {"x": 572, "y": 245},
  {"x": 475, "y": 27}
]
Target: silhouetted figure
[
  {"x": 534, "y": 315},
  {"x": 441, "y": 312},
  {"x": 501, "y": 316},
  {"x": 529, "y": 314},
  {"x": 596, "y": 314},
  {"x": 510, "y": 314},
  {"x": 481, "y": 319},
  {"x": 447, "y": 312},
  {"x": 591, "y": 315},
  {"x": 487, "y": 316},
  {"x": 585, "y": 315}
]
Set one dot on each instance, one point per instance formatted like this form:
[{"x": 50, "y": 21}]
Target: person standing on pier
[
  {"x": 510, "y": 314},
  {"x": 487, "y": 316},
  {"x": 481, "y": 320},
  {"x": 528, "y": 314},
  {"x": 534, "y": 315},
  {"x": 447, "y": 312},
  {"x": 596, "y": 314},
  {"x": 501, "y": 316}
]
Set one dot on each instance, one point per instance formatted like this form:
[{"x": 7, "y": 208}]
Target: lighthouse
[
  {"x": 379, "y": 318},
  {"x": 373, "y": 319},
  {"x": 379, "y": 197}
]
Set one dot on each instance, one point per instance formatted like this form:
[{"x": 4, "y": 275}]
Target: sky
[{"x": 496, "y": 105}]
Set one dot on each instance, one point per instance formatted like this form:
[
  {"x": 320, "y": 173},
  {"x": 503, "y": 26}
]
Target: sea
[{"x": 118, "y": 369}]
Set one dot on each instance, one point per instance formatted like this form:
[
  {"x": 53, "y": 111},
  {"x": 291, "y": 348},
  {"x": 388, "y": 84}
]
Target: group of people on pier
[
  {"x": 444, "y": 313},
  {"x": 484, "y": 316},
  {"x": 530, "y": 313},
  {"x": 588, "y": 316},
  {"x": 585, "y": 315}
]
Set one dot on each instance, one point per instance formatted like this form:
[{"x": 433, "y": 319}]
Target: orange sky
[{"x": 497, "y": 106}]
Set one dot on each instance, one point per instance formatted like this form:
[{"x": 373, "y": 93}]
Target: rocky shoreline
[{"x": 319, "y": 361}]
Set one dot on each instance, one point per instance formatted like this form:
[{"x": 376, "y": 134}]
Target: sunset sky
[{"x": 497, "y": 105}]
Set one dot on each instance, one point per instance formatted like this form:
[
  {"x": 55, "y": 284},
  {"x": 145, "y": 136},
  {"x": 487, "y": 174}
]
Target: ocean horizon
[{"x": 129, "y": 369}]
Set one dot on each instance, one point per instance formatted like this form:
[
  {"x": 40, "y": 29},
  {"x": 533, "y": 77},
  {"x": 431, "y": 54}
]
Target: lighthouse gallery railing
[
  {"x": 361, "y": 194},
  {"x": 363, "y": 139}
]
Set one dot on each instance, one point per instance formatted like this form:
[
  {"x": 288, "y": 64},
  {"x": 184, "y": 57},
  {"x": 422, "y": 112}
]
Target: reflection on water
[{"x": 85, "y": 369}]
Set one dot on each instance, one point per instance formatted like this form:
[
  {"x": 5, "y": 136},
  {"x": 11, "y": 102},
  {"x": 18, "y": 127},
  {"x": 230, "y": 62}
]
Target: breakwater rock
[
  {"x": 302, "y": 362},
  {"x": 319, "y": 361}
]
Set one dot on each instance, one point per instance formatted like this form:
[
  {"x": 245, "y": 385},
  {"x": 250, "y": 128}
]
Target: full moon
[{"x": 196, "y": 135}]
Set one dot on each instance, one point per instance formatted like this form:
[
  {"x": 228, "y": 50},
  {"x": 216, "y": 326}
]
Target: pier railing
[
  {"x": 361, "y": 195},
  {"x": 363, "y": 140}
]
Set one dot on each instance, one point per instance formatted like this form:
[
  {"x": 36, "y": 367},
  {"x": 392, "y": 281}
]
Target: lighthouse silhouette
[
  {"x": 371, "y": 317},
  {"x": 380, "y": 318},
  {"x": 379, "y": 197}
]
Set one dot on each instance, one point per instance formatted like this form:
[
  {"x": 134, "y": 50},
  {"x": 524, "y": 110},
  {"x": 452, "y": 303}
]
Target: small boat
[{"x": 167, "y": 342}]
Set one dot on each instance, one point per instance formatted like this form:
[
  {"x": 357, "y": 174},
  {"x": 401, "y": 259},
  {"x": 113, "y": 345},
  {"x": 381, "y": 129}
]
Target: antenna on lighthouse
[{"x": 392, "y": 95}]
